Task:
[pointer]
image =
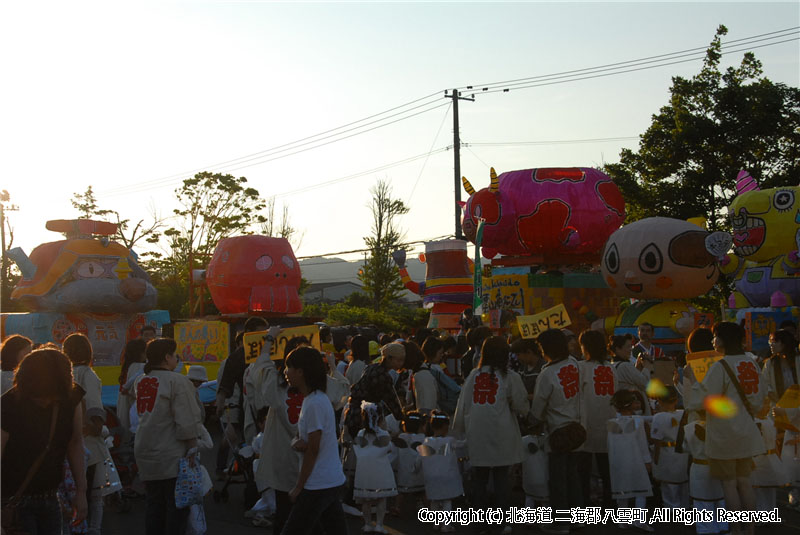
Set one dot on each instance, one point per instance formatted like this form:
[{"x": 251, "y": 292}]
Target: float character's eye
[
  {"x": 612, "y": 259},
  {"x": 91, "y": 270},
  {"x": 651, "y": 260},
  {"x": 783, "y": 200},
  {"x": 288, "y": 262},
  {"x": 263, "y": 263}
]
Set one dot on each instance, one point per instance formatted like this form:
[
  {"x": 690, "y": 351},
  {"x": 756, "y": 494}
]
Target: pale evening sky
[{"x": 130, "y": 97}]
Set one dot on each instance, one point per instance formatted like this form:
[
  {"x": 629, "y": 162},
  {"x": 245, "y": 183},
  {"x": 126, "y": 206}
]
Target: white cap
[{"x": 197, "y": 373}]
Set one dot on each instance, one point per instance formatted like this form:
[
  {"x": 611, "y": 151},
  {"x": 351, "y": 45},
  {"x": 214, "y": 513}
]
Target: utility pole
[
  {"x": 4, "y": 198},
  {"x": 457, "y": 157}
]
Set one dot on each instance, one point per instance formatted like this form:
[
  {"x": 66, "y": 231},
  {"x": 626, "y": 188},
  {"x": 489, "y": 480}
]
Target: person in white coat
[
  {"x": 485, "y": 415},
  {"x": 359, "y": 349},
  {"x": 670, "y": 467},
  {"x": 629, "y": 376},
  {"x": 782, "y": 370},
  {"x": 556, "y": 402},
  {"x": 596, "y": 390},
  {"x": 169, "y": 424},
  {"x": 731, "y": 441},
  {"x": 133, "y": 358}
]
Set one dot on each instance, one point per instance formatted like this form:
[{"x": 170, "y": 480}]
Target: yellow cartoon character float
[
  {"x": 659, "y": 262},
  {"x": 765, "y": 264}
]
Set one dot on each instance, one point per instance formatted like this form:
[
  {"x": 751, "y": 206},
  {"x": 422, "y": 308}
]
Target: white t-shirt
[{"x": 317, "y": 414}]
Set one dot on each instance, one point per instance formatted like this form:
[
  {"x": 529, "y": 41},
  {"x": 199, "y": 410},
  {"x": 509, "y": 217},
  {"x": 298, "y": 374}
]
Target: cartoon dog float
[
  {"x": 559, "y": 215},
  {"x": 765, "y": 264},
  {"x": 658, "y": 261}
]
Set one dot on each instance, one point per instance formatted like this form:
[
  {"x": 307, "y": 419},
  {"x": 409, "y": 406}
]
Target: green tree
[
  {"x": 86, "y": 204},
  {"x": 280, "y": 227},
  {"x": 9, "y": 273},
  {"x": 715, "y": 124},
  {"x": 379, "y": 276},
  {"x": 214, "y": 206}
]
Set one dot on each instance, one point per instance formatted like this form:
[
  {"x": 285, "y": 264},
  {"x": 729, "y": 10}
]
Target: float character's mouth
[
  {"x": 634, "y": 287},
  {"x": 748, "y": 234}
]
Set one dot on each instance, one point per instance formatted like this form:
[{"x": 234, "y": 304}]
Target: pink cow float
[{"x": 556, "y": 214}]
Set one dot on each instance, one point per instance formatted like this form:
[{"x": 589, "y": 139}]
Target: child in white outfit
[
  {"x": 439, "y": 464},
  {"x": 534, "y": 471},
  {"x": 374, "y": 478},
  {"x": 409, "y": 480},
  {"x": 769, "y": 473},
  {"x": 629, "y": 454},
  {"x": 670, "y": 468},
  {"x": 705, "y": 491}
]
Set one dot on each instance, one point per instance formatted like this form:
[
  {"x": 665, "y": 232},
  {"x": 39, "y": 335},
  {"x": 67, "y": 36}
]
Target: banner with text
[
  {"x": 202, "y": 341},
  {"x": 254, "y": 341},
  {"x": 552, "y": 318}
]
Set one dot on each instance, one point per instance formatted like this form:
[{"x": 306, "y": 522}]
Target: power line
[
  {"x": 549, "y": 142},
  {"x": 588, "y": 77},
  {"x": 172, "y": 178},
  {"x": 669, "y": 55},
  {"x": 435, "y": 138},
  {"x": 367, "y": 250}
]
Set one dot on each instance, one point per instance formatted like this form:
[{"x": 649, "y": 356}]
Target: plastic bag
[
  {"x": 196, "y": 524},
  {"x": 207, "y": 483},
  {"x": 189, "y": 484}
]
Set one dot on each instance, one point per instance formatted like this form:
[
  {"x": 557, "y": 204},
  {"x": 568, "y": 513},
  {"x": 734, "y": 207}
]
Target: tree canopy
[{"x": 715, "y": 124}]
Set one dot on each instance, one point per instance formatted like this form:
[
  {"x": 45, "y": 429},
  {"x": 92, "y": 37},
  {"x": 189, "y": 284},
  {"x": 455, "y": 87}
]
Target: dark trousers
[
  {"x": 40, "y": 515},
  {"x": 312, "y": 506},
  {"x": 161, "y": 515},
  {"x": 282, "y": 508},
  {"x": 501, "y": 485},
  {"x": 565, "y": 485},
  {"x": 585, "y": 473}
]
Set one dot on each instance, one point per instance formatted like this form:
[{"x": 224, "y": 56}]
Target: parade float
[
  {"x": 659, "y": 263},
  {"x": 448, "y": 288},
  {"x": 544, "y": 230},
  {"x": 84, "y": 283},
  {"x": 765, "y": 264},
  {"x": 246, "y": 276}
]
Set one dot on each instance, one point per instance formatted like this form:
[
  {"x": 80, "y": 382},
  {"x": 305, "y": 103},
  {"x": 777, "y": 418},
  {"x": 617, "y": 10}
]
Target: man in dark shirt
[{"x": 233, "y": 374}]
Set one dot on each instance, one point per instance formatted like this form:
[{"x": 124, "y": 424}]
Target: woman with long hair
[
  {"x": 782, "y": 369},
  {"x": 490, "y": 396},
  {"x": 42, "y": 419},
  {"x": 14, "y": 349},
  {"x": 133, "y": 359}
]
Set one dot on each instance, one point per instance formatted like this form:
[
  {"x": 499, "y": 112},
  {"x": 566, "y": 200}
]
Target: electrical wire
[
  {"x": 172, "y": 178},
  {"x": 367, "y": 250},
  {"x": 549, "y": 142},
  {"x": 435, "y": 138},
  {"x": 589, "y": 77},
  {"x": 633, "y": 61}
]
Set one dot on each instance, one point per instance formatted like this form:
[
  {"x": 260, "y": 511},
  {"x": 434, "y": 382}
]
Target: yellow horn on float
[
  {"x": 467, "y": 185},
  {"x": 494, "y": 185}
]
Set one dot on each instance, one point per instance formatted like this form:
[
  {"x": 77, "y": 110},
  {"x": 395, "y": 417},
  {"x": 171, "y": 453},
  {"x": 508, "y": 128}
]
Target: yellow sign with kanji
[
  {"x": 202, "y": 341},
  {"x": 701, "y": 361},
  {"x": 552, "y": 318},
  {"x": 254, "y": 341},
  {"x": 790, "y": 398}
]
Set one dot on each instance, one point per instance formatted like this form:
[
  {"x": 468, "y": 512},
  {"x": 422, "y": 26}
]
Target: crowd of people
[{"x": 375, "y": 427}]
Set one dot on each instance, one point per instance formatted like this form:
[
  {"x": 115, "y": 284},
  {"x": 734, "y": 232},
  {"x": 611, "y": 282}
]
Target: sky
[{"x": 132, "y": 97}]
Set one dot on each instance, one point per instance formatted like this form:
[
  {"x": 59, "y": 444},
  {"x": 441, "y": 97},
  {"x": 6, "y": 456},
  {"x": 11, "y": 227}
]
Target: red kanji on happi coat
[
  {"x": 603, "y": 381},
  {"x": 748, "y": 377},
  {"x": 485, "y": 390},
  {"x": 569, "y": 379},
  {"x": 294, "y": 402},
  {"x": 146, "y": 392}
]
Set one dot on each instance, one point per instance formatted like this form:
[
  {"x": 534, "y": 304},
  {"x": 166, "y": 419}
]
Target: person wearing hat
[{"x": 376, "y": 385}]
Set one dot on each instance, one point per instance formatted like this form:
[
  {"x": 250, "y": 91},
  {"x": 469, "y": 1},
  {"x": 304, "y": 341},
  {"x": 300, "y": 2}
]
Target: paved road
[{"x": 228, "y": 519}]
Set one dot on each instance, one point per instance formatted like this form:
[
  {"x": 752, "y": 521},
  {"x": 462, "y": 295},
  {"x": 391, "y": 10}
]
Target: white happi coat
[
  {"x": 484, "y": 415},
  {"x": 374, "y": 475},
  {"x": 628, "y": 453},
  {"x": 126, "y": 397},
  {"x": 409, "y": 478},
  {"x": 702, "y": 487},
  {"x": 769, "y": 375},
  {"x": 596, "y": 389},
  {"x": 556, "y": 398},
  {"x": 425, "y": 391},
  {"x": 168, "y": 416},
  {"x": 629, "y": 377},
  {"x": 669, "y": 467},
  {"x": 85, "y": 377},
  {"x": 535, "y": 475},
  {"x": 440, "y": 470},
  {"x": 736, "y": 437}
]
